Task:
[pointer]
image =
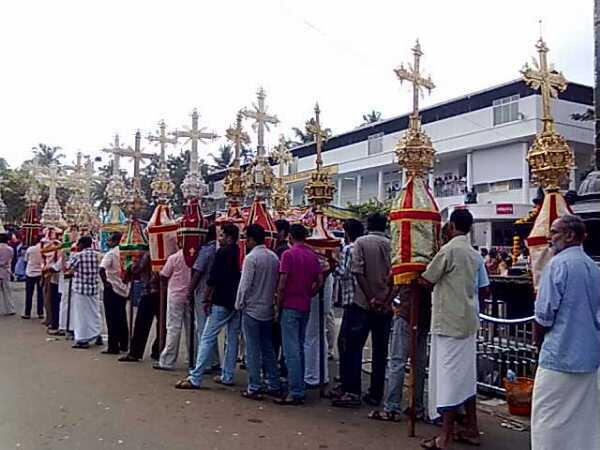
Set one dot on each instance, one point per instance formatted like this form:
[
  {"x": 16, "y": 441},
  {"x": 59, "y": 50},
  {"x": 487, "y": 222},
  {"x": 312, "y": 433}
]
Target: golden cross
[
  {"x": 545, "y": 78},
  {"x": 281, "y": 154},
  {"x": 237, "y": 136},
  {"x": 262, "y": 120},
  {"x": 314, "y": 127},
  {"x": 412, "y": 75},
  {"x": 162, "y": 140}
]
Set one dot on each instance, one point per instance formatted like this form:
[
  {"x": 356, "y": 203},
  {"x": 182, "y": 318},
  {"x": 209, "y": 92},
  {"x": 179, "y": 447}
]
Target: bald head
[{"x": 567, "y": 231}]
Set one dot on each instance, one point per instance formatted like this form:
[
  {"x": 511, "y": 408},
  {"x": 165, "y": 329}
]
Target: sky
[{"x": 74, "y": 73}]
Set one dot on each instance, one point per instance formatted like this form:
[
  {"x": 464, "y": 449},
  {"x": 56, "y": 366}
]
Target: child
[{"x": 179, "y": 276}]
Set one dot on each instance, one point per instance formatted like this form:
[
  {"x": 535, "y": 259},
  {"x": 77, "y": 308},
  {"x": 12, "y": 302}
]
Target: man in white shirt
[
  {"x": 116, "y": 292},
  {"x": 33, "y": 276}
]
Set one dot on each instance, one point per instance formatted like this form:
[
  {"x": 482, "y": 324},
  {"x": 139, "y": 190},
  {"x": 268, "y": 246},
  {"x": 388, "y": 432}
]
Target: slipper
[
  {"x": 252, "y": 395},
  {"x": 128, "y": 358},
  {"x": 346, "y": 401},
  {"x": 431, "y": 444},
  {"x": 159, "y": 367},
  {"x": 186, "y": 385},
  {"x": 469, "y": 440},
  {"x": 219, "y": 380},
  {"x": 289, "y": 401},
  {"x": 384, "y": 416}
]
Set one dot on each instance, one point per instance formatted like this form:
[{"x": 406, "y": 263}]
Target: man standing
[
  {"x": 6, "y": 256},
  {"x": 147, "y": 310},
  {"x": 33, "y": 277},
  {"x": 300, "y": 279},
  {"x": 176, "y": 275},
  {"x": 197, "y": 290},
  {"x": 86, "y": 307},
  {"x": 283, "y": 231},
  {"x": 567, "y": 315},
  {"x": 454, "y": 274},
  {"x": 115, "y": 294},
  {"x": 255, "y": 300},
  {"x": 220, "y": 299},
  {"x": 368, "y": 313}
]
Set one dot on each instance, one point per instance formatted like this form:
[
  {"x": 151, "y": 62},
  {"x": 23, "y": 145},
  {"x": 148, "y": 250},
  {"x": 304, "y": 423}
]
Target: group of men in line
[{"x": 271, "y": 300}]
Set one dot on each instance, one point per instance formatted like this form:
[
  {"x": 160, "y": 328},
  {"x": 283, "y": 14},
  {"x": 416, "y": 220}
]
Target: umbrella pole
[
  {"x": 322, "y": 341},
  {"x": 162, "y": 315},
  {"x": 191, "y": 338},
  {"x": 414, "y": 317},
  {"x": 68, "y": 330}
]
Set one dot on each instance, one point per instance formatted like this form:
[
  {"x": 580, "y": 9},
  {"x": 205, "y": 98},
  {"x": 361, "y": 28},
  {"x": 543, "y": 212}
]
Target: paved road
[{"x": 54, "y": 397}]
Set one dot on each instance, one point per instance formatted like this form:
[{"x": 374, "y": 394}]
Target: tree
[
  {"x": 305, "y": 136},
  {"x": 223, "y": 157},
  {"x": 371, "y": 117},
  {"x": 47, "y": 154},
  {"x": 585, "y": 116}
]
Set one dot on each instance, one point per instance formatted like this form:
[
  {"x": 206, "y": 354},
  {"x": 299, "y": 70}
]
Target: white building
[{"x": 481, "y": 140}]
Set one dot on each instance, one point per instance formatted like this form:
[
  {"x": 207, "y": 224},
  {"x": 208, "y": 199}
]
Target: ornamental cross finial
[
  {"x": 281, "y": 154},
  {"x": 261, "y": 120},
  {"x": 549, "y": 81},
  {"x": 194, "y": 135},
  {"x": 162, "y": 139},
  {"x": 238, "y": 137},
  {"x": 117, "y": 151},
  {"x": 314, "y": 127},
  {"x": 412, "y": 74}
]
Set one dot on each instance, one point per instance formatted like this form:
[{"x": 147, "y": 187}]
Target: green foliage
[
  {"x": 223, "y": 157},
  {"x": 305, "y": 136},
  {"x": 370, "y": 207},
  {"x": 47, "y": 154},
  {"x": 371, "y": 117}
]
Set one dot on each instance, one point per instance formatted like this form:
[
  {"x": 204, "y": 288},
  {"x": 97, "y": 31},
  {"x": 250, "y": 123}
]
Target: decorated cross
[
  {"x": 261, "y": 120},
  {"x": 412, "y": 74},
  {"x": 162, "y": 186},
  {"x": 194, "y": 135},
  {"x": 281, "y": 154},
  {"x": 314, "y": 127},
  {"x": 544, "y": 77},
  {"x": 162, "y": 139},
  {"x": 117, "y": 151},
  {"x": 238, "y": 137}
]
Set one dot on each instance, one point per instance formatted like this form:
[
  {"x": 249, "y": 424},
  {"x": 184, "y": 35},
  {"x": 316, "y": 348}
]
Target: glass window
[
  {"x": 506, "y": 109},
  {"x": 375, "y": 143},
  {"x": 293, "y": 166}
]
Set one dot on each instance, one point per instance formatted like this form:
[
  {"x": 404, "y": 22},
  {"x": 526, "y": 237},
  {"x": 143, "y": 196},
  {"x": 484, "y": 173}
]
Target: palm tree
[
  {"x": 223, "y": 157},
  {"x": 306, "y": 136},
  {"x": 372, "y": 117},
  {"x": 47, "y": 154}
]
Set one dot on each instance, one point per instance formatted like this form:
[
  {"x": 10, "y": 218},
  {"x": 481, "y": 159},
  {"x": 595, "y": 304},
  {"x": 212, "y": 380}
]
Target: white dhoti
[
  {"x": 452, "y": 372},
  {"x": 66, "y": 306},
  {"x": 565, "y": 411},
  {"x": 6, "y": 303},
  {"x": 311, "y": 338},
  {"x": 87, "y": 318}
]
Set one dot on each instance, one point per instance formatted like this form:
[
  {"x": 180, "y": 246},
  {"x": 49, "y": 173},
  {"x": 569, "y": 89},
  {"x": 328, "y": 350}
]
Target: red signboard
[{"x": 504, "y": 209}]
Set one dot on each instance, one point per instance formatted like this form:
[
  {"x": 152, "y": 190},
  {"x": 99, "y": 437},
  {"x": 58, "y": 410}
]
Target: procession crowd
[{"x": 269, "y": 308}]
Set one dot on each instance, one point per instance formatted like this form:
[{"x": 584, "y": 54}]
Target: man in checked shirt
[{"x": 86, "y": 306}]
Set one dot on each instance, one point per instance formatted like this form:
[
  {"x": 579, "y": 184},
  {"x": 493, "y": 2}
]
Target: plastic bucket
[{"x": 518, "y": 396}]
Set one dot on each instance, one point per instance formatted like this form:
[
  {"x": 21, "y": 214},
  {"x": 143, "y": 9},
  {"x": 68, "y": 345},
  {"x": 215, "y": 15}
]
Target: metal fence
[{"x": 504, "y": 344}]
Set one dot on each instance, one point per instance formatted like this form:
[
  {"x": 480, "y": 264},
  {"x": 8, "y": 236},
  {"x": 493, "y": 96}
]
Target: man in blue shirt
[{"x": 567, "y": 315}]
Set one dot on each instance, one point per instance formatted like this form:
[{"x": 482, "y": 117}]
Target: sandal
[
  {"x": 289, "y": 401},
  {"x": 431, "y": 444},
  {"x": 252, "y": 395},
  {"x": 464, "y": 439},
  {"x": 219, "y": 380},
  {"x": 384, "y": 416},
  {"x": 346, "y": 401},
  {"x": 186, "y": 385}
]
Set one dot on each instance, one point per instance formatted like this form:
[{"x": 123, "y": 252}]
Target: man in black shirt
[{"x": 222, "y": 285}]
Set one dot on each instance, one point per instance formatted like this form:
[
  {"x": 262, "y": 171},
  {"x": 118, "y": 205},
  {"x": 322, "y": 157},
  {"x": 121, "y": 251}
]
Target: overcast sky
[{"x": 74, "y": 73}]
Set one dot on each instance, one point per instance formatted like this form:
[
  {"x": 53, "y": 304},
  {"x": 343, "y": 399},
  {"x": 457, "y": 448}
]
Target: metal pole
[
  {"x": 69, "y": 308},
  {"x": 322, "y": 341},
  {"x": 131, "y": 314},
  {"x": 162, "y": 315},
  {"x": 414, "y": 317}
]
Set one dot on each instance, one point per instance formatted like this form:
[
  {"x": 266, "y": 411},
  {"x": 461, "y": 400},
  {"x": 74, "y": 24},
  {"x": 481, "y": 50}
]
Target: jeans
[
  {"x": 260, "y": 354},
  {"x": 201, "y": 317},
  {"x": 357, "y": 323},
  {"x": 116, "y": 321},
  {"x": 220, "y": 317},
  {"x": 293, "y": 330},
  {"x": 399, "y": 348},
  {"x": 32, "y": 283}
]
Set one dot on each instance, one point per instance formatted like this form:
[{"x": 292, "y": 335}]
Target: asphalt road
[{"x": 55, "y": 397}]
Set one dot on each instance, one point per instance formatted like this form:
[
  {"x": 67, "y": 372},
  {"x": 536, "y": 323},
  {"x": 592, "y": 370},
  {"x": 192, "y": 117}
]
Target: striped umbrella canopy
[
  {"x": 133, "y": 244},
  {"x": 162, "y": 236},
  {"x": 31, "y": 228},
  {"x": 415, "y": 225}
]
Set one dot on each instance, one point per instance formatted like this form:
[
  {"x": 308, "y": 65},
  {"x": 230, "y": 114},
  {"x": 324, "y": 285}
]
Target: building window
[
  {"x": 375, "y": 143},
  {"x": 293, "y": 166},
  {"x": 499, "y": 186},
  {"x": 506, "y": 109}
]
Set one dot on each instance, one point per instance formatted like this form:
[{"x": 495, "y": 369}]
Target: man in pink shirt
[
  {"x": 300, "y": 279},
  {"x": 178, "y": 276}
]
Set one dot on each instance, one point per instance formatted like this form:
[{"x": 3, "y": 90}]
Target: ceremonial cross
[
  {"x": 413, "y": 75},
  {"x": 238, "y": 137},
  {"x": 262, "y": 120},
  {"x": 137, "y": 155},
  {"x": 545, "y": 78},
  {"x": 117, "y": 151},
  {"x": 50, "y": 178},
  {"x": 281, "y": 154},
  {"x": 194, "y": 135},
  {"x": 163, "y": 140},
  {"x": 314, "y": 127}
]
